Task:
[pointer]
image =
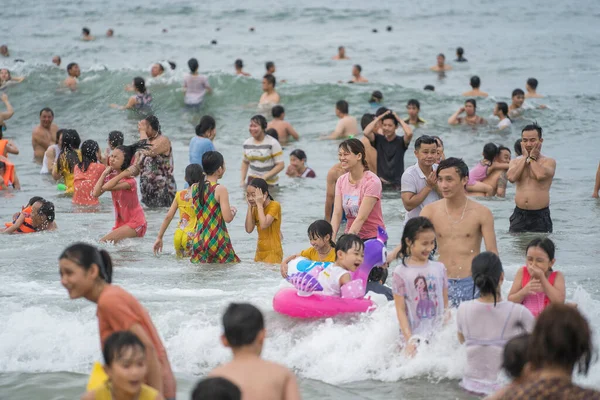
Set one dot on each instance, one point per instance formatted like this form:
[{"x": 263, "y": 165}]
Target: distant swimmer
[
  {"x": 6, "y": 77},
  {"x": 533, "y": 173},
  {"x": 441, "y": 64},
  {"x": 270, "y": 96},
  {"x": 413, "y": 107},
  {"x": 501, "y": 111},
  {"x": 110, "y": 33},
  {"x": 142, "y": 99},
  {"x": 5, "y": 115},
  {"x": 429, "y": 88},
  {"x": 270, "y": 67},
  {"x": 475, "y": 92},
  {"x": 471, "y": 118},
  {"x": 347, "y": 127},
  {"x": 74, "y": 73},
  {"x": 158, "y": 69},
  {"x": 239, "y": 68},
  {"x": 341, "y": 55},
  {"x": 44, "y": 134},
  {"x": 284, "y": 129},
  {"x": 86, "y": 36},
  {"x": 356, "y": 75},
  {"x": 56, "y": 60},
  {"x": 531, "y": 87},
  {"x": 516, "y": 107},
  {"x": 4, "y": 51},
  {"x": 376, "y": 99},
  {"x": 459, "y": 55}
]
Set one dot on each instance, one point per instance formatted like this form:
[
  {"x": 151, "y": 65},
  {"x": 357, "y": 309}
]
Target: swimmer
[
  {"x": 4, "y": 51},
  {"x": 85, "y": 35},
  {"x": 376, "y": 99},
  {"x": 270, "y": 67},
  {"x": 531, "y": 87},
  {"x": 441, "y": 64},
  {"x": 429, "y": 88},
  {"x": 459, "y": 55},
  {"x": 501, "y": 111},
  {"x": 110, "y": 33},
  {"x": 413, "y": 107},
  {"x": 41, "y": 219},
  {"x": 6, "y": 78},
  {"x": 298, "y": 167},
  {"x": 244, "y": 333},
  {"x": 156, "y": 70},
  {"x": 356, "y": 75},
  {"x": 44, "y": 134},
  {"x": 4, "y": 116},
  {"x": 471, "y": 118},
  {"x": 347, "y": 126},
  {"x": 195, "y": 86},
  {"x": 239, "y": 68},
  {"x": 142, "y": 98},
  {"x": 516, "y": 107},
  {"x": 56, "y": 60},
  {"x": 341, "y": 55},
  {"x": 475, "y": 92},
  {"x": 270, "y": 96},
  {"x": 284, "y": 129},
  {"x": 27, "y": 208},
  {"x": 74, "y": 73}
]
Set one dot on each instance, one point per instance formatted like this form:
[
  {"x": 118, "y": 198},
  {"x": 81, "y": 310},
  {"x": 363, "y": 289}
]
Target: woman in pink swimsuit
[{"x": 117, "y": 178}]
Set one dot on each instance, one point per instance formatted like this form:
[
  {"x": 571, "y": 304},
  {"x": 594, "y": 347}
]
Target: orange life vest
[
  {"x": 26, "y": 226},
  {"x": 9, "y": 172},
  {"x": 3, "y": 143}
]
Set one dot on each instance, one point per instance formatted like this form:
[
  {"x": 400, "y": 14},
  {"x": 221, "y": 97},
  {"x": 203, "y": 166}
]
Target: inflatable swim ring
[{"x": 301, "y": 264}]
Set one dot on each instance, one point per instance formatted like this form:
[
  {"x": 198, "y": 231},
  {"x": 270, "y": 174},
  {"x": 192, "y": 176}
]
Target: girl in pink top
[
  {"x": 536, "y": 284},
  {"x": 87, "y": 173},
  {"x": 357, "y": 193},
  {"x": 491, "y": 166},
  {"x": 117, "y": 178}
]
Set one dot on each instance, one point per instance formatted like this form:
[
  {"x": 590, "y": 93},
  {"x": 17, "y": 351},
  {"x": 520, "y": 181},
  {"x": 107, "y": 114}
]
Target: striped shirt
[{"x": 262, "y": 157}]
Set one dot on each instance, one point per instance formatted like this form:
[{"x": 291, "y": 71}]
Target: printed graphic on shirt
[
  {"x": 350, "y": 203},
  {"x": 426, "y": 299}
]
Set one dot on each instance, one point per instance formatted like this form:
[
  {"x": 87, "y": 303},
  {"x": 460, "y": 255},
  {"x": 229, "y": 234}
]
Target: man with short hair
[
  {"x": 516, "y": 107},
  {"x": 284, "y": 129},
  {"x": 270, "y": 96},
  {"x": 74, "y": 73},
  {"x": 44, "y": 134},
  {"x": 531, "y": 87},
  {"x": 441, "y": 65},
  {"x": 270, "y": 67},
  {"x": 460, "y": 225},
  {"x": 475, "y": 92},
  {"x": 347, "y": 125},
  {"x": 4, "y": 51},
  {"x": 356, "y": 75},
  {"x": 341, "y": 55},
  {"x": 56, "y": 60},
  {"x": 86, "y": 35},
  {"x": 413, "y": 107},
  {"x": 533, "y": 173},
  {"x": 239, "y": 67}
]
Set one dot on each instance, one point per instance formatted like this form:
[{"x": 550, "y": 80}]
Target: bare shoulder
[
  {"x": 548, "y": 161},
  {"x": 89, "y": 395}
]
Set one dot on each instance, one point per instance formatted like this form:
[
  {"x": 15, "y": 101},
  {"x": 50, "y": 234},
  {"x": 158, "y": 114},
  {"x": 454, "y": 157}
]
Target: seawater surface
[{"x": 48, "y": 343}]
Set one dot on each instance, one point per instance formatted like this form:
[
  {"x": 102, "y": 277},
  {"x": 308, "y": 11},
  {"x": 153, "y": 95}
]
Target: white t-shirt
[
  {"x": 329, "y": 278},
  {"x": 195, "y": 86},
  {"x": 504, "y": 123},
  {"x": 414, "y": 181}
]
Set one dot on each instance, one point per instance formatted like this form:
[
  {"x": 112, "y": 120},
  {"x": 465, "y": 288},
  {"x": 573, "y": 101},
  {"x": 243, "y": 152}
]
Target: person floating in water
[
  {"x": 41, "y": 219},
  {"x": 356, "y": 75},
  {"x": 460, "y": 55},
  {"x": 74, "y": 73},
  {"x": 56, "y": 60},
  {"x": 341, "y": 55},
  {"x": 475, "y": 92},
  {"x": 298, "y": 167},
  {"x": 347, "y": 126},
  {"x": 441, "y": 65}
]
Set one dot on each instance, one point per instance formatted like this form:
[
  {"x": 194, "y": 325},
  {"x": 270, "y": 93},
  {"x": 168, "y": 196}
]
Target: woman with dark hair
[
  {"x": 69, "y": 157},
  {"x": 471, "y": 118},
  {"x": 263, "y": 156},
  {"x": 357, "y": 193},
  {"x": 87, "y": 173},
  {"x": 206, "y": 131},
  {"x": 142, "y": 100}
]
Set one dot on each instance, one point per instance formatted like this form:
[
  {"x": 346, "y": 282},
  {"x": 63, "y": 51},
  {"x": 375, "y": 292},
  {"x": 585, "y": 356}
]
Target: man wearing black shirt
[{"x": 390, "y": 147}]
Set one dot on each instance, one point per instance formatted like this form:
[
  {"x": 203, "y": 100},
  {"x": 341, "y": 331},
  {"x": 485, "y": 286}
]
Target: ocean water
[{"x": 48, "y": 343}]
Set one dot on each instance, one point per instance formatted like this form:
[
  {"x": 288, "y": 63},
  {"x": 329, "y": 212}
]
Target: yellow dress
[
  {"x": 147, "y": 393},
  {"x": 312, "y": 254},
  {"x": 268, "y": 248},
  {"x": 184, "y": 234},
  {"x": 69, "y": 176}
]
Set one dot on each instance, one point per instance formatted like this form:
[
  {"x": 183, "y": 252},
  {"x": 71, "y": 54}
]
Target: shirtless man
[
  {"x": 441, "y": 64},
  {"x": 475, "y": 92},
  {"x": 460, "y": 225},
  {"x": 270, "y": 96},
  {"x": 239, "y": 67},
  {"x": 341, "y": 55},
  {"x": 74, "y": 73},
  {"x": 44, "y": 134},
  {"x": 531, "y": 87},
  {"x": 332, "y": 176},
  {"x": 85, "y": 35},
  {"x": 516, "y": 107},
  {"x": 56, "y": 60},
  {"x": 346, "y": 126},
  {"x": 533, "y": 173},
  {"x": 356, "y": 76},
  {"x": 284, "y": 129},
  {"x": 258, "y": 379}
]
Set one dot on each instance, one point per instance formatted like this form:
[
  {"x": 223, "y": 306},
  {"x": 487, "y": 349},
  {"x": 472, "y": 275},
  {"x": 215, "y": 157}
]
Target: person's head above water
[
  {"x": 157, "y": 70},
  {"x": 376, "y": 97},
  {"x": 273, "y": 133},
  {"x": 268, "y": 82},
  {"x": 4, "y": 50},
  {"x": 243, "y": 327},
  {"x": 82, "y": 267},
  {"x": 206, "y": 127},
  {"x": 139, "y": 84},
  {"x": 490, "y": 152},
  {"x": 320, "y": 232},
  {"x": 531, "y": 85},
  {"x": 213, "y": 163},
  {"x": 488, "y": 275},
  {"x": 518, "y": 97},
  {"x": 216, "y": 388},
  {"x": 501, "y": 110},
  {"x": 115, "y": 139},
  {"x": 278, "y": 112},
  {"x": 120, "y": 158},
  {"x": 366, "y": 120},
  {"x": 341, "y": 52},
  {"x": 429, "y": 88},
  {"x": 270, "y": 67},
  {"x": 349, "y": 252},
  {"x": 89, "y": 154},
  {"x": 475, "y": 82},
  {"x": 193, "y": 64},
  {"x": 258, "y": 125},
  {"x": 460, "y": 52},
  {"x": 426, "y": 150},
  {"x": 470, "y": 107},
  {"x": 5, "y": 75},
  {"x": 441, "y": 59},
  {"x": 251, "y": 191},
  {"x": 46, "y": 117},
  {"x": 85, "y": 32},
  {"x": 110, "y": 32},
  {"x": 356, "y": 70},
  {"x": 56, "y": 60},
  {"x": 238, "y": 64},
  {"x": 73, "y": 70},
  {"x": 341, "y": 108}
]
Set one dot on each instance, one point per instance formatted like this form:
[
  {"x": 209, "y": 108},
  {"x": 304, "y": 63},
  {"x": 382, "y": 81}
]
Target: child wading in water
[
  {"x": 537, "y": 285},
  {"x": 420, "y": 286},
  {"x": 126, "y": 366},
  {"x": 264, "y": 213},
  {"x": 211, "y": 243},
  {"x": 182, "y": 240},
  {"x": 349, "y": 254},
  {"x": 69, "y": 157},
  {"x": 130, "y": 220},
  {"x": 322, "y": 246},
  {"x": 87, "y": 173}
]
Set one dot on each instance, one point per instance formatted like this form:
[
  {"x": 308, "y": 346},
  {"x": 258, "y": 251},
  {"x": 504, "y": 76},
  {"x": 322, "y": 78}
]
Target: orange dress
[{"x": 84, "y": 182}]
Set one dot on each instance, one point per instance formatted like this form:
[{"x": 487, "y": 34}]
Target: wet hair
[
  {"x": 533, "y": 127},
  {"x": 193, "y": 64},
  {"x": 366, "y": 120},
  {"x": 7, "y": 71},
  {"x": 118, "y": 343},
  {"x": 139, "y": 84},
  {"x": 115, "y": 139},
  {"x": 472, "y": 101},
  {"x": 358, "y": 67},
  {"x": 277, "y": 111},
  {"x": 413, "y": 227},
  {"x": 172, "y": 65},
  {"x": 270, "y": 79},
  {"x": 341, "y": 47},
  {"x": 216, "y": 388},
  {"x": 425, "y": 139},
  {"x": 381, "y": 111},
  {"x": 89, "y": 154},
  {"x": 342, "y": 106},
  {"x": 299, "y": 154},
  {"x": 319, "y": 229},
  {"x": 439, "y": 139},
  {"x": 457, "y": 163},
  {"x": 34, "y": 200},
  {"x": 533, "y": 83},
  {"x": 347, "y": 242},
  {"x": 392, "y": 117},
  {"x": 269, "y": 65},
  {"x": 86, "y": 255},
  {"x": 86, "y": 31},
  {"x": 429, "y": 87},
  {"x": 376, "y": 97},
  {"x": 518, "y": 149},
  {"x": 460, "y": 51},
  {"x": 68, "y": 152},
  {"x": 259, "y": 120},
  {"x": 503, "y": 148},
  {"x": 486, "y": 269},
  {"x": 261, "y": 184},
  {"x": 545, "y": 244},
  {"x": 515, "y": 355},
  {"x": 129, "y": 152},
  {"x": 239, "y": 63},
  {"x": 273, "y": 133},
  {"x": 46, "y": 109},
  {"x": 502, "y": 106},
  {"x": 517, "y": 92},
  {"x": 490, "y": 151},
  {"x": 242, "y": 322},
  {"x": 355, "y": 146},
  {"x": 414, "y": 102},
  {"x": 160, "y": 67},
  {"x": 207, "y": 123},
  {"x": 70, "y": 66},
  {"x": 475, "y": 82},
  {"x": 561, "y": 338},
  {"x": 212, "y": 161},
  {"x": 59, "y": 133},
  {"x": 194, "y": 174},
  {"x": 152, "y": 120},
  {"x": 442, "y": 55}
]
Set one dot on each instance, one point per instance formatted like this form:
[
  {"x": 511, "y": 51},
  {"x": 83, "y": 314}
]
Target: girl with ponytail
[
  {"x": 85, "y": 271},
  {"x": 486, "y": 324},
  {"x": 69, "y": 157},
  {"x": 320, "y": 234}
]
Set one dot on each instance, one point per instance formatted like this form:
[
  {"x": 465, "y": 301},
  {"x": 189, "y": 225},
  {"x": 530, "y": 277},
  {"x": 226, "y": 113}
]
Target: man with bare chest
[
  {"x": 533, "y": 173},
  {"x": 460, "y": 225},
  {"x": 44, "y": 134}
]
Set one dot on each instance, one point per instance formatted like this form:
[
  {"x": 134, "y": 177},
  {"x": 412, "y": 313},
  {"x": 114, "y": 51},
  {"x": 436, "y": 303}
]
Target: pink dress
[
  {"x": 84, "y": 184},
  {"x": 478, "y": 173},
  {"x": 536, "y": 302},
  {"x": 128, "y": 210}
]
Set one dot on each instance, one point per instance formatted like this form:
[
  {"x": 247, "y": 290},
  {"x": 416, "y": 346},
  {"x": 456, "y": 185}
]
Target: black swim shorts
[{"x": 531, "y": 221}]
